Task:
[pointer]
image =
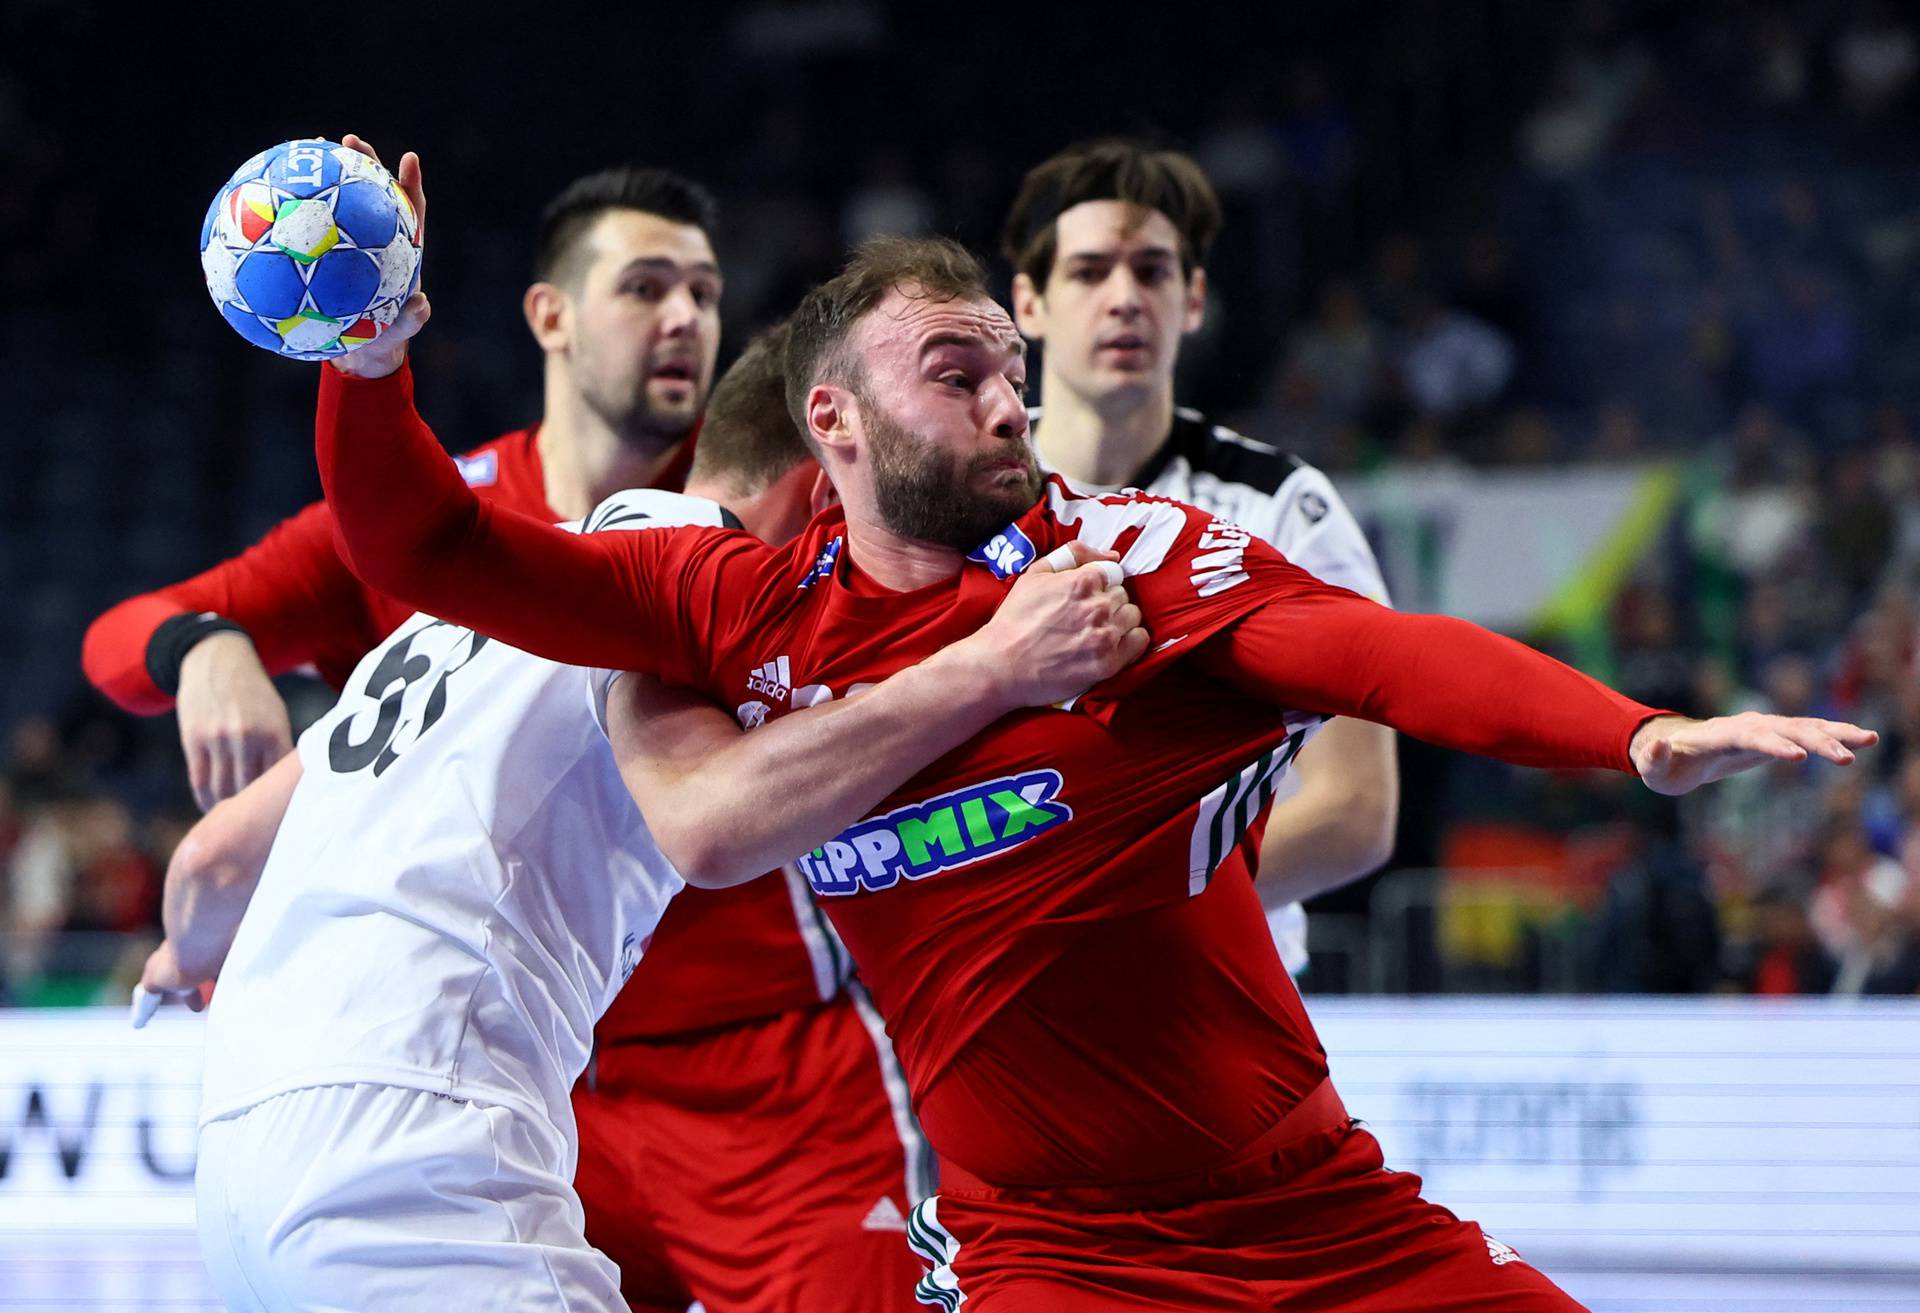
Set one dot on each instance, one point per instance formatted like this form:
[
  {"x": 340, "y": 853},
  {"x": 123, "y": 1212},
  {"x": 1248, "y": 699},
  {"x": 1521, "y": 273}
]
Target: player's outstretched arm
[
  {"x": 726, "y": 806},
  {"x": 1452, "y": 683},
  {"x": 210, "y": 881}
]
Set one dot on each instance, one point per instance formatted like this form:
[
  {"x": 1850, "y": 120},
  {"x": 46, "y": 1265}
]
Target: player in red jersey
[
  {"x": 707, "y": 1076},
  {"x": 1057, "y": 919},
  {"x": 1109, "y": 241}
]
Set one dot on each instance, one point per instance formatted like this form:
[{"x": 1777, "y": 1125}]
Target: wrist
[
  {"x": 1649, "y": 731},
  {"x": 967, "y": 678},
  {"x": 178, "y": 638}
]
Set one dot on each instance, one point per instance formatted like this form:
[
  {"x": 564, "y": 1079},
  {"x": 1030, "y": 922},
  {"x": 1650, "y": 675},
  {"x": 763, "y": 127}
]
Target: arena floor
[{"x": 119, "y": 1274}]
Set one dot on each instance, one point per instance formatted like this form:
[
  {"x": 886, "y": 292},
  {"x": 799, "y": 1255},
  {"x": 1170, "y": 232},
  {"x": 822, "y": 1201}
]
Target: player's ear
[
  {"x": 1029, "y": 308},
  {"x": 545, "y": 307},
  {"x": 829, "y": 419},
  {"x": 824, "y": 494},
  {"x": 1196, "y": 307}
]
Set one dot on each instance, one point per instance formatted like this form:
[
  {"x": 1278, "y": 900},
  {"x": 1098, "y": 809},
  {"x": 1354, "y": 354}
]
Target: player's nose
[
  {"x": 1006, "y": 411},
  {"x": 680, "y": 312},
  {"x": 1125, "y": 298}
]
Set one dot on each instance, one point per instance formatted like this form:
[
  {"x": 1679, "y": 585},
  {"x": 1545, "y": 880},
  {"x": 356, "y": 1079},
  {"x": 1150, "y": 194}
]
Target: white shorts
[{"x": 353, "y": 1198}]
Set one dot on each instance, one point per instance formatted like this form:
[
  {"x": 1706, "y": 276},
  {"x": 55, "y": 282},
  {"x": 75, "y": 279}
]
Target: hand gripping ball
[{"x": 310, "y": 249}]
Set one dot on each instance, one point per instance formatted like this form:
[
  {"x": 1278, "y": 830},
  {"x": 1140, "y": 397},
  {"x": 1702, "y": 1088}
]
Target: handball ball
[{"x": 310, "y": 249}]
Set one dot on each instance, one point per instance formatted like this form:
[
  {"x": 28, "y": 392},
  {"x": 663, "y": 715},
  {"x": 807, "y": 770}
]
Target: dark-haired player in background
[
  {"x": 745, "y": 1138},
  {"x": 1109, "y": 244}
]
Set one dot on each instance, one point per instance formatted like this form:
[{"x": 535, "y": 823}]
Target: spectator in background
[
  {"x": 1778, "y": 953},
  {"x": 1657, "y": 931},
  {"x": 1332, "y": 366},
  {"x": 1875, "y": 58},
  {"x": 1864, "y": 914},
  {"x": 1653, "y": 664},
  {"x": 1857, "y": 526},
  {"x": 1450, "y": 362}
]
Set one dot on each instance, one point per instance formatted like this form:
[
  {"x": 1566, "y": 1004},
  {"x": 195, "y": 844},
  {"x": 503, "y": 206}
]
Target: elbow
[
  {"x": 1374, "y": 825},
  {"x": 210, "y": 865},
  {"x": 701, "y": 856},
  {"x": 1361, "y": 839},
  {"x": 1373, "y": 844}
]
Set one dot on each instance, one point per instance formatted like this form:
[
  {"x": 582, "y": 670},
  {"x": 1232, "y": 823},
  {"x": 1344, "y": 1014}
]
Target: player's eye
[
  {"x": 705, "y": 295},
  {"x": 955, "y": 378},
  {"x": 1152, "y": 275},
  {"x": 647, "y": 289},
  {"x": 1087, "y": 273}
]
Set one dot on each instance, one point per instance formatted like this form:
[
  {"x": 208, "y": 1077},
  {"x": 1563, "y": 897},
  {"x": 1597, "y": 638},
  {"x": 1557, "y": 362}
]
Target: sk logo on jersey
[
  {"x": 822, "y": 564},
  {"x": 1007, "y": 553},
  {"x": 937, "y": 835}
]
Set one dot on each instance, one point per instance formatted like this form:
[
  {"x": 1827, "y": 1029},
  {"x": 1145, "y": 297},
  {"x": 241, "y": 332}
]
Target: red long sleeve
[
  {"x": 290, "y": 591},
  {"x": 1448, "y": 682},
  {"x": 409, "y": 526}
]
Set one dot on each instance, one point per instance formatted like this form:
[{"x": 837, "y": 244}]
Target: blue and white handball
[{"x": 310, "y": 249}]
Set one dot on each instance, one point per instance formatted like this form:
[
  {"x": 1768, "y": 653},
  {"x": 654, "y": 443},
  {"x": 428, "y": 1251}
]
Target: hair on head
[
  {"x": 570, "y": 215},
  {"x": 1111, "y": 169},
  {"x": 748, "y": 438},
  {"x": 934, "y": 268}
]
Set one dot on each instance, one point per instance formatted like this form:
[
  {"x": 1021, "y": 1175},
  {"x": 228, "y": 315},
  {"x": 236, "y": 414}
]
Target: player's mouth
[
  {"x": 674, "y": 373},
  {"x": 1125, "y": 349}
]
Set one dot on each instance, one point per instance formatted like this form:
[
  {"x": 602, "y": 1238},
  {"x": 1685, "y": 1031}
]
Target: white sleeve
[
  {"x": 638, "y": 508},
  {"x": 1311, "y": 526}
]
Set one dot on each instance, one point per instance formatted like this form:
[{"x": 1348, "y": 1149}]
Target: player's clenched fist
[
  {"x": 1066, "y": 625},
  {"x": 1675, "y": 755},
  {"x": 385, "y": 353}
]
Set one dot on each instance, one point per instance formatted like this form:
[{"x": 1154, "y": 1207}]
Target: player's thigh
[
  {"x": 219, "y": 1220},
  {"x": 870, "y": 1271},
  {"x": 364, "y": 1197},
  {"x": 1460, "y": 1269},
  {"x": 999, "y": 1254},
  {"x": 773, "y": 1202},
  {"x": 616, "y": 1191},
  {"x": 1364, "y": 1240}
]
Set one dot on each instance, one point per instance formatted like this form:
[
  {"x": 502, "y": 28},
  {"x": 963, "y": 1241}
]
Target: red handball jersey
[
  {"x": 302, "y": 606},
  {"x": 1056, "y": 920}
]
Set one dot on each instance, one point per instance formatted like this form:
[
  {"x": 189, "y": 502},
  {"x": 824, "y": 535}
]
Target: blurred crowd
[{"x": 1513, "y": 234}]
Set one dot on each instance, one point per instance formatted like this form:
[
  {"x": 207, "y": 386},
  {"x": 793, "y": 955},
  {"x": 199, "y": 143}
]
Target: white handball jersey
[
  {"x": 1294, "y": 507},
  {"x": 461, "y": 883}
]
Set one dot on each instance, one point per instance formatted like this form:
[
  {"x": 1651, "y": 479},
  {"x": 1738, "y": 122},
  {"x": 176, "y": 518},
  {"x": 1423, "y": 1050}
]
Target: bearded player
[
  {"x": 418, "y": 916},
  {"x": 1109, "y": 241},
  {"x": 745, "y": 1136},
  {"x": 1057, "y": 919}
]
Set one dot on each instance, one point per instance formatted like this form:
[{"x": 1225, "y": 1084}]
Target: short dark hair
[
  {"x": 573, "y": 212},
  {"x": 1111, "y": 169},
  {"x": 748, "y": 439},
  {"x": 940, "y": 268}
]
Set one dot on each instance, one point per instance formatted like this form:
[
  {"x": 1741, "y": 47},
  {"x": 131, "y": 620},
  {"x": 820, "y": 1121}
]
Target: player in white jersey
[
  {"x": 1109, "y": 242},
  {"x": 442, "y": 889}
]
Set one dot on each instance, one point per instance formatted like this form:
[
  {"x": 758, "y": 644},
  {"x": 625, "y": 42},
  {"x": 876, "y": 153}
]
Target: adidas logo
[
  {"x": 1499, "y": 1253},
  {"x": 773, "y": 681},
  {"x": 885, "y": 1216}
]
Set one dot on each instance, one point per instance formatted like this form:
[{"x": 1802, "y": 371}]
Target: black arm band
[{"x": 174, "y": 639}]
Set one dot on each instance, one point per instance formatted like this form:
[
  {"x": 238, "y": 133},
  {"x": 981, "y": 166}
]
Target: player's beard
[
  {"x": 925, "y": 494},
  {"x": 626, "y": 409}
]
